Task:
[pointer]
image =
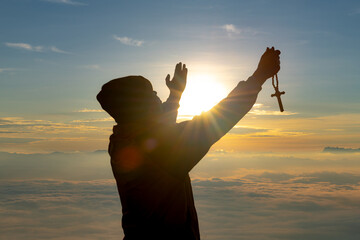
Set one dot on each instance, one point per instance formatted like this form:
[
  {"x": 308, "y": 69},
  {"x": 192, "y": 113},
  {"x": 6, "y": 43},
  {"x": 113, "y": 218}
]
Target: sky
[{"x": 56, "y": 54}]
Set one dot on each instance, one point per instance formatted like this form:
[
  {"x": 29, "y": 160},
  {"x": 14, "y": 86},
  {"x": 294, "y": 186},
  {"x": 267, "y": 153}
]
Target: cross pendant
[{"x": 278, "y": 94}]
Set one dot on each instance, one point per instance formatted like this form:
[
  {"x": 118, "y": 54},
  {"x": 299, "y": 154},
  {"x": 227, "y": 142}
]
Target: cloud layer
[
  {"x": 237, "y": 196},
  {"x": 256, "y": 207}
]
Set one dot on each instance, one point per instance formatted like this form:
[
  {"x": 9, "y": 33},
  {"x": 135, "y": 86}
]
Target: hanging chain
[{"x": 276, "y": 86}]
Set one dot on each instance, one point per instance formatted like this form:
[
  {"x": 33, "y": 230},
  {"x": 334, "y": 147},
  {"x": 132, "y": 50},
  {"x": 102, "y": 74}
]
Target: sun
[{"x": 201, "y": 94}]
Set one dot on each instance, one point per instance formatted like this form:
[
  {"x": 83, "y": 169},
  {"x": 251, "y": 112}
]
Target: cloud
[
  {"x": 60, "y": 136},
  {"x": 57, "y": 50},
  {"x": 86, "y": 110},
  {"x": 10, "y": 122},
  {"x": 25, "y": 46},
  {"x": 228, "y": 208},
  {"x": 29, "y": 47},
  {"x": 267, "y": 210},
  {"x": 260, "y": 109},
  {"x": 341, "y": 150},
  {"x": 108, "y": 119},
  {"x": 243, "y": 130},
  {"x": 129, "y": 41},
  {"x": 68, "y": 2},
  {"x": 18, "y": 140},
  {"x": 6, "y": 69},
  {"x": 329, "y": 177},
  {"x": 323, "y": 177},
  {"x": 271, "y": 113},
  {"x": 73, "y": 195},
  {"x": 60, "y": 209},
  {"x": 219, "y": 165},
  {"x": 43, "y": 125},
  {"x": 58, "y": 165},
  {"x": 270, "y": 176},
  {"x": 231, "y": 29}
]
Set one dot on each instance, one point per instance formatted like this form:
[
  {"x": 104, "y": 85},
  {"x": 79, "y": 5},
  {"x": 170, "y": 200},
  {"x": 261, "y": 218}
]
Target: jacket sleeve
[
  {"x": 196, "y": 136},
  {"x": 170, "y": 111}
]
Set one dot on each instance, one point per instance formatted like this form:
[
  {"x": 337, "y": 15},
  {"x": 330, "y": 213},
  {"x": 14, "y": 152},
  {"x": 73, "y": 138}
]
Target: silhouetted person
[{"x": 152, "y": 155}]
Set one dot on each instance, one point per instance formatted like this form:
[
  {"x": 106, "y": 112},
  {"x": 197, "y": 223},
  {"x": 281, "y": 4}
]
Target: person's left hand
[{"x": 178, "y": 82}]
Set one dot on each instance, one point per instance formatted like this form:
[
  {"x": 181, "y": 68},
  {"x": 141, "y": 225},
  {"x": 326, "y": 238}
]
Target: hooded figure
[{"x": 152, "y": 155}]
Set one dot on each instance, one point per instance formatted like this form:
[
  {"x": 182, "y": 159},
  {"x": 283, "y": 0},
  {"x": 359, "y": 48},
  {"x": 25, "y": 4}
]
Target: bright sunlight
[{"x": 201, "y": 94}]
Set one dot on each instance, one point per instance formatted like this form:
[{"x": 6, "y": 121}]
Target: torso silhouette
[{"x": 151, "y": 165}]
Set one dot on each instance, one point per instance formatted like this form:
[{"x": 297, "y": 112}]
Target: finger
[
  {"x": 273, "y": 49},
  {"x": 167, "y": 79},
  {"x": 178, "y": 67}
]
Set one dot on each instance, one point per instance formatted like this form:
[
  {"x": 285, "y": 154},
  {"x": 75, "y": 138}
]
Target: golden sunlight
[{"x": 201, "y": 94}]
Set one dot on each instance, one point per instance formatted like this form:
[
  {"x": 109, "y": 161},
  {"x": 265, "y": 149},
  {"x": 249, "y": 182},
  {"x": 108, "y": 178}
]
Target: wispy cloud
[
  {"x": 129, "y": 41},
  {"x": 231, "y": 29},
  {"x": 68, "y": 2},
  {"x": 86, "y": 110},
  {"x": 18, "y": 140},
  {"x": 257, "y": 111},
  {"x": 271, "y": 113},
  {"x": 29, "y": 47},
  {"x": 25, "y": 46},
  {"x": 242, "y": 130},
  {"x": 57, "y": 50},
  {"x": 6, "y": 69},
  {"x": 234, "y": 31},
  {"x": 109, "y": 119}
]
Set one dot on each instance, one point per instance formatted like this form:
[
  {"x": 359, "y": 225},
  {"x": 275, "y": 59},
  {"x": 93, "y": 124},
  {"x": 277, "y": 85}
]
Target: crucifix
[{"x": 277, "y": 93}]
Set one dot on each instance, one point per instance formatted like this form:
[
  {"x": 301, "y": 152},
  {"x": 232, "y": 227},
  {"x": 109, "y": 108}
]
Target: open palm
[{"x": 178, "y": 82}]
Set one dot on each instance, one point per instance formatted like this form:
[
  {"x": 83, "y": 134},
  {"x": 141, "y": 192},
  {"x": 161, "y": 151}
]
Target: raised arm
[
  {"x": 226, "y": 114},
  {"x": 197, "y": 135},
  {"x": 176, "y": 86}
]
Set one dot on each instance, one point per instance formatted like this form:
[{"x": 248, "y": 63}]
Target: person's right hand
[{"x": 269, "y": 64}]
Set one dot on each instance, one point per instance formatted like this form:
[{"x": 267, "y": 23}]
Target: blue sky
[
  {"x": 56, "y": 54},
  {"x": 77, "y": 50}
]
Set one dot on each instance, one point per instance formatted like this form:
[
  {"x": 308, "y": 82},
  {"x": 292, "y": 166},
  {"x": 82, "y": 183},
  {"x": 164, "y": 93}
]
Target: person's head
[{"x": 130, "y": 99}]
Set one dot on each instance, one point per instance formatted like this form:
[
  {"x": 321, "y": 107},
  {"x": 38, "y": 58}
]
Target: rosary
[{"x": 277, "y": 93}]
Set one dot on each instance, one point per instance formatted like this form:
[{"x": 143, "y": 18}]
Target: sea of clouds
[{"x": 237, "y": 195}]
